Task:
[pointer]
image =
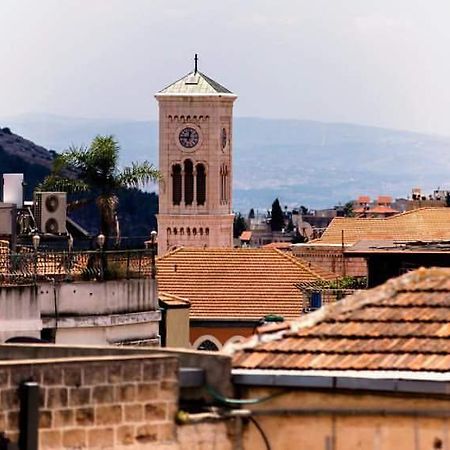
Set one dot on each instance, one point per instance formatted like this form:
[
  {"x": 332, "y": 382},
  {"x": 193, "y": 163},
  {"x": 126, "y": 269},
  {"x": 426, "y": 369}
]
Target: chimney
[{"x": 13, "y": 189}]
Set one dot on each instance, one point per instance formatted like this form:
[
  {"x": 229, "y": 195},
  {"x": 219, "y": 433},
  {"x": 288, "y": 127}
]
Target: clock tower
[{"x": 195, "y": 161}]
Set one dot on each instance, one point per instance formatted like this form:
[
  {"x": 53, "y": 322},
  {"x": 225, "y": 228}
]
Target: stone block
[
  {"x": 125, "y": 435},
  {"x": 126, "y": 393},
  {"x": 79, "y": 396},
  {"x": 84, "y": 416},
  {"x": 166, "y": 432},
  {"x": 63, "y": 418},
  {"x": 12, "y": 421},
  {"x": 152, "y": 371},
  {"x": 146, "y": 433},
  {"x": 9, "y": 399},
  {"x": 20, "y": 374},
  {"x": 168, "y": 390},
  {"x": 57, "y": 397},
  {"x": 156, "y": 411},
  {"x": 108, "y": 415},
  {"x": 147, "y": 391},
  {"x": 170, "y": 370},
  {"x": 72, "y": 376},
  {"x": 114, "y": 373},
  {"x": 94, "y": 375},
  {"x": 132, "y": 372},
  {"x": 133, "y": 413},
  {"x": 101, "y": 437},
  {"x": 103, "y": 394},
  {"x": 74, "y": 438},
  {"x": 45, "y": 419},
  {"x": 2, "y": 420},
  {"x": 52, "y": 376},
  {"x": 4, "y": 377},
  {"x": 50, "y": 439}
]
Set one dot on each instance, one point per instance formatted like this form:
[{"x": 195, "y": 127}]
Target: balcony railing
[{"x": 29, "y": 266}]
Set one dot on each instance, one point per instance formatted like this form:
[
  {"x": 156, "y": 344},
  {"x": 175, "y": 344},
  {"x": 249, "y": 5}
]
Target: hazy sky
[{"x": 376, "y": 62}]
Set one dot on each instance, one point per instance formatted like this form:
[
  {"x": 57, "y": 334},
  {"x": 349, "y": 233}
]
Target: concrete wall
[
  {"x": 350, "y": 421},
  {"x": 94, "y": 313},
  {"x": 19, "y": 312},
  {"x": 177, "y": 323}
]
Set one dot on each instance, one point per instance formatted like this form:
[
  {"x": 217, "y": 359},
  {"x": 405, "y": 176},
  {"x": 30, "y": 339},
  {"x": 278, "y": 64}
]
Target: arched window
[
  {"x": 182, "y": 231},
  {"x": 188, "y": 231},
  {"x": 194, "y": 231},
  {"x": 175, "y": 231},
  {"x": 169, "y": 231},
  {"x": 207, "y": 231},
  {"x": 188, "y": 182},
  {"x": 223, "y": 183},
  {"x": 201, "y": 231},
  {"x": 201, "y": 184},
  {"x": 208, "y": 346},
  {"x": 176, "y": 184}
]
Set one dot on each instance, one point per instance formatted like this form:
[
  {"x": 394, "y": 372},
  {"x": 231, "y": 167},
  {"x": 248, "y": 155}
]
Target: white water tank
[{"x": 13, "y": 188}]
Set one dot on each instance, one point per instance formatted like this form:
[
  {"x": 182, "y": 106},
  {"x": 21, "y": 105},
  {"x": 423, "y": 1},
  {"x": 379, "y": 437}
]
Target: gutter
[{"x": 437, "y": 384}]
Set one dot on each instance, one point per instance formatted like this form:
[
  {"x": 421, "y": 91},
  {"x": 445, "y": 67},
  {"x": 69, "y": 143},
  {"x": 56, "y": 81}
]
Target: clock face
[
  {"x": 224, "y": 138},
  {"x": 188, "y": 137}
]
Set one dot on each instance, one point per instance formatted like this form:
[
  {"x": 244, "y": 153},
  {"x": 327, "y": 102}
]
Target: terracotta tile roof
[
  {"x": 279, "y": 245},
  {"x": 403, "y": 325},
  {"x": 384, "y": 200},
  {"x": 245, "y": 283},
  {"x": 363, "y": 199},
  {"x": 419, "y": 224},
  {"x": 381, "y": 209},
  {"x": 245, "y": 236}
]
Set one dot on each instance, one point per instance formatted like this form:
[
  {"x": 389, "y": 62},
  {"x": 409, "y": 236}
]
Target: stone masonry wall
[
  {"x": 332, "y": 259},
  {"x": 94, "y": 403}
]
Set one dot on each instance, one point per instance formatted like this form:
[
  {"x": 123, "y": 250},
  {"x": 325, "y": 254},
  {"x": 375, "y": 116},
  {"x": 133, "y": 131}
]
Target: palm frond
[
  {"x": 138, "y": 174},
  {"x": 56, "y": 183}
]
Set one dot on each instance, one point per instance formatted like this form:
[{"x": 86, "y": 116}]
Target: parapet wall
[
  {"x": 332, "y": 259},
  {"x": 96, "y": 403}
]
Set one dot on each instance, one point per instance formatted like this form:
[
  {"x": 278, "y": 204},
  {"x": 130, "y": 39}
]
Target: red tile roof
[
  {"x": 419, "y": 224},
  {"x": 245, "y": 236},
  {"x": 245, "y": 283},
  {"x": 402, "y": 325}
]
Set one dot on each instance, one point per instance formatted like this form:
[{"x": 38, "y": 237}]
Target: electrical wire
[{"x": 261, "y": 432}]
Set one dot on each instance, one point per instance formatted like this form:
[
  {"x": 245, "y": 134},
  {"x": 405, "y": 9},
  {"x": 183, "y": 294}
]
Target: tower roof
[{"x": 195, "y": 83}]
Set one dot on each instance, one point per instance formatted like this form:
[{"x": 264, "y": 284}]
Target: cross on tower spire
[{"x": 195, "y": 63}]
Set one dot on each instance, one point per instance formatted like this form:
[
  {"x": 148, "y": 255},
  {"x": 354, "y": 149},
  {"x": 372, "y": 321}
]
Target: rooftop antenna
[{"x": 195, "y": 63}]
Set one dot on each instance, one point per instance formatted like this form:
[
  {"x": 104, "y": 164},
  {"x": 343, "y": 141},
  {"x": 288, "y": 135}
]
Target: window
[
  {"x": 316, "y": 300},
  {"x": 188, "y": 182},
  {"x": 201, "y": 184},
  {"x": 176, "y": 184},
  {"x": 208, "y": 345}
]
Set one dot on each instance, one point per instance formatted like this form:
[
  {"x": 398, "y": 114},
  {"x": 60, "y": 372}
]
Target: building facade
[{"x": 195, "y": 160}]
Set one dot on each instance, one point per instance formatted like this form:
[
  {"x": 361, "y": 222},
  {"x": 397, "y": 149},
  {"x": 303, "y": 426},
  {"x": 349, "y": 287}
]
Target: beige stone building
[{"x": 195, "y": 159}]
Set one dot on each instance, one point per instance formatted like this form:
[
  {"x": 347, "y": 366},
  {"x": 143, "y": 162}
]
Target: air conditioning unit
[{"x": 50, "y": 209}]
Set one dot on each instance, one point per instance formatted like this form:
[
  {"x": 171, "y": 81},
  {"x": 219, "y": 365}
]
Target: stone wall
[
  {"x": 100, "y": 402},
  {"x": 332, "y": 259}
]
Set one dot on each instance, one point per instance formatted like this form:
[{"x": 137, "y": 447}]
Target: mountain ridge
[{"x": 317, "y": 164}]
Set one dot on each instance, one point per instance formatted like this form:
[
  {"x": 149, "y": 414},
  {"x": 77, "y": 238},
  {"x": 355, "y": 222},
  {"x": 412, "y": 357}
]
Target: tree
[
  {"x": 348, "y": 209},
  {"x": 277, "y": 217},
  {"x": 239, "y": 225},
  {"x": 251, "y": 214},
  {"x": 96, "y": 172}
]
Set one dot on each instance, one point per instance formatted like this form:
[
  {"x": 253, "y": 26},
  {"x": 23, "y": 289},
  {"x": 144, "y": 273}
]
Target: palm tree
[{"x": 95, "y": 169}]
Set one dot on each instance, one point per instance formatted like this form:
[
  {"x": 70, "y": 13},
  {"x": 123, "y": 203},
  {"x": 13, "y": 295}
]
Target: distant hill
[
  {"x": 19, "y": 155},
  {"x": 302, "y": 162}
]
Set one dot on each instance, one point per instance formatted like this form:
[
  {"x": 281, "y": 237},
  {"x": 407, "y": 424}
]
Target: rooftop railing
[{"x": 29, "y": 266}]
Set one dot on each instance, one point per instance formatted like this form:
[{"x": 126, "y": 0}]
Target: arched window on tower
[
  {"x": 201, "y": 184},
  {"x": 188, "y": 182},
  {"x": 223, "y": 183},
  {"x": 176, "y": 184}
]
